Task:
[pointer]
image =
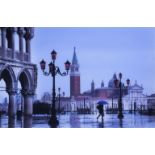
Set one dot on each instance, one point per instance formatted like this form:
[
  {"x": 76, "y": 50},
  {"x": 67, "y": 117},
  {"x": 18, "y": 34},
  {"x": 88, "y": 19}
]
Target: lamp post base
[
  {"x": 120, "y": 116},
  {"x": 53, "y": 122}
]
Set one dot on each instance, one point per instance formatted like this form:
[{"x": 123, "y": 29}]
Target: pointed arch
[
  {"x": 8, "y": 75},
  {"x": 25, "y": 79}
]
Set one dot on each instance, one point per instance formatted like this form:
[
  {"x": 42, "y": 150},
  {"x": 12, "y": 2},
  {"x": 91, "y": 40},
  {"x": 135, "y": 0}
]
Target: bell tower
[
  {"x": 102, "y": 84},
  {"x": 74, "y": 76},
  {"x": 92, "y": 88}
]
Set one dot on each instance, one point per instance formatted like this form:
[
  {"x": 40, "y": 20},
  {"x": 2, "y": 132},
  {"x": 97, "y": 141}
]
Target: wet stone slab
[{"x": 73, "y": 120}]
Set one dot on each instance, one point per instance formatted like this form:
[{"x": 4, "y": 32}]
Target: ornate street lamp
[
  {"x": 118, "y": 84},
  {"x": 120, "y": 113},
  {"x": 60, "y": 95},
  {"x": 53, "y": 71}
]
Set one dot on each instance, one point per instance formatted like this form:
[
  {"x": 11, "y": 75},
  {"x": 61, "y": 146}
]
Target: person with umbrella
[{"x": 100, "y": 107}]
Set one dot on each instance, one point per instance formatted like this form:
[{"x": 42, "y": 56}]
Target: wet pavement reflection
[{"x": 73, "y": 120}]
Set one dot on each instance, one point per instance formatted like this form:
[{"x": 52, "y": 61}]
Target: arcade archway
[
  {"x": 22, "y": 85},
  {"x": 4, "y": 98},
  {"x": 27, "y": 91},
  {"x": 8, "y": 76}
]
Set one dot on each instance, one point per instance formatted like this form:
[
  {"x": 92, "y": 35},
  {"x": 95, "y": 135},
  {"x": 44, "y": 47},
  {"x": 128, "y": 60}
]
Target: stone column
[
  {"x": 29, "y": 33},
  {"x": 27, "y": 122},
  {"x": 28, "y": 103},
  {"x": 11, "y": 122},
  {"x": 21, "y": 34},
  {"x": 12, "y": 103},
  {"x": 28, "y": 46},
  {"x": 3, "y": 40},
  {"x": 13, "y": 30},
  {"x": 0, "y": 38}
]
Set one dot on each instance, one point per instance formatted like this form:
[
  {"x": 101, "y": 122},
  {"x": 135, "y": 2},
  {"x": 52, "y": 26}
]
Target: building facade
[
  {"x": 151, "y": 103},
  {"x": 16, "y": 66},
  {"x": 106, "y": 92},
  {"x": 135, "y": 99}
]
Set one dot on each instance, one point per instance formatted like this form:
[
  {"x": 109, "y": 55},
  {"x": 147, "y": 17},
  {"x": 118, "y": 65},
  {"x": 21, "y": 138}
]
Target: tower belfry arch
[{"x": 16, "y": 67}]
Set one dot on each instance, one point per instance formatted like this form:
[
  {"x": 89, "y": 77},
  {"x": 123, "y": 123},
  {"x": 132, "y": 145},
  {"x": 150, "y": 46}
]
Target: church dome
[{"x": 111, "y": 82}]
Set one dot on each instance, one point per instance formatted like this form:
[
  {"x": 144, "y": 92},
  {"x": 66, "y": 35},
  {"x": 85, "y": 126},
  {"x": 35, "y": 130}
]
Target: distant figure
[{"x": 100, "y": 110}]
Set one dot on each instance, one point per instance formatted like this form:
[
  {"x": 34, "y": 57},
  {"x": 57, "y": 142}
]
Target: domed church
[{"x": 105, "y": 92}]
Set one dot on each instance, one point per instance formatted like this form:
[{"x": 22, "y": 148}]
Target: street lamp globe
[
  {"x": 67, "y": 65},
  {"x": 120, "y": 76},
  {"x": 53, "y": 55},
  {"x": 128, "y": 82},
  {"x": 42, "y": 64},
  {"x": 59, "y": 90}
]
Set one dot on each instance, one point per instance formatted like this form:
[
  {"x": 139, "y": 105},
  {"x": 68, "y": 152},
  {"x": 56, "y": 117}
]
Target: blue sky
[{"x": 101, "y": 52}]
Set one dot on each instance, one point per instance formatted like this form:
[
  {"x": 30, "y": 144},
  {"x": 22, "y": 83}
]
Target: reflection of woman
[{"x": 100, "y": 110}]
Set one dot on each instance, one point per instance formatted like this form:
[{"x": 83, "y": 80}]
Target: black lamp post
[
  {"x": 128, "y": 83},
  {"x": 118, "y": 84},
  {"x": 134, "y": 106},
  {"x": 53, "y": 71},
  {"x": 84, "y": 105},
  {"x": 59, "y": 100}
]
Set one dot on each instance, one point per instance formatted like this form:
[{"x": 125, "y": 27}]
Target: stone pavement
[
  {"x": 109, "y": 121},
  {"x": 73, "y": 120}
]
